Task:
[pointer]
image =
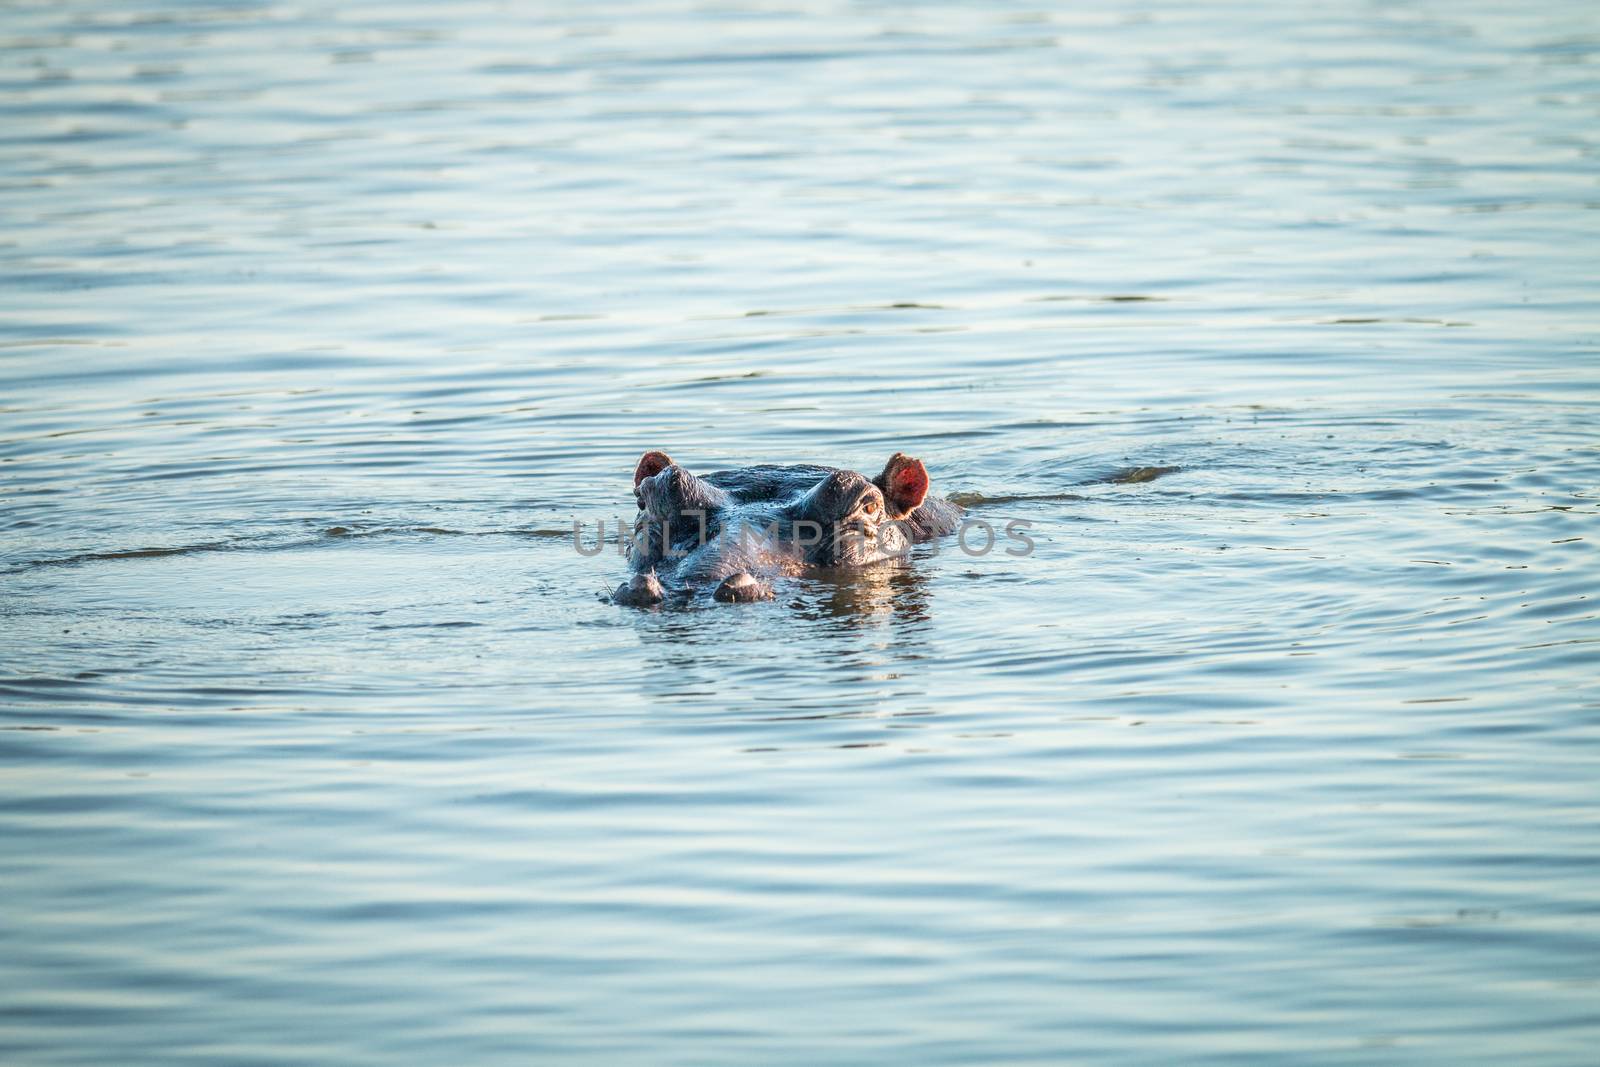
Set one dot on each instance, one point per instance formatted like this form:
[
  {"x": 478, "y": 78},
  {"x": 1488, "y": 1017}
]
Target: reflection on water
[
  {"x": 898, "y": 593},
  {"x": 320, "y": 326},
  {"x": 846, "y": 626}
]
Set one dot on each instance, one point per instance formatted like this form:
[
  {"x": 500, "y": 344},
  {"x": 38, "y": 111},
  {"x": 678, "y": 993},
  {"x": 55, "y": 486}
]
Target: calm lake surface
[{"x": 321, "y": 324}]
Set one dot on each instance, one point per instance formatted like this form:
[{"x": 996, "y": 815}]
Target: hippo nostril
[
  {"x": 641, "y": 590},
  {"x": 742, "y": 588}
]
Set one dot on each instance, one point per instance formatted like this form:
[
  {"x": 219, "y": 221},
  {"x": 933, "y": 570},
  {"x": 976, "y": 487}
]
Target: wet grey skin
[{"x": 734, "y": 531}]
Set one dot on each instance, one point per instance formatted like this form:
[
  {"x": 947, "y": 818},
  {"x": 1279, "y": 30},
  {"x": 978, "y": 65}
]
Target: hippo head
[{"x": 739, "y": 526}]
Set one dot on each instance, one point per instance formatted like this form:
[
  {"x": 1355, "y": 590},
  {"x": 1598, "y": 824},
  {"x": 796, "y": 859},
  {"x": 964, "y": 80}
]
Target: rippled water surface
[{"x": 323, "y": 323}]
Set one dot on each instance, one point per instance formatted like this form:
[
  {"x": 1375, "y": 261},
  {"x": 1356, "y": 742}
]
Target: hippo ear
[
  {"x": 904, "y": 483},
  {"x": 650, "y": 464}
]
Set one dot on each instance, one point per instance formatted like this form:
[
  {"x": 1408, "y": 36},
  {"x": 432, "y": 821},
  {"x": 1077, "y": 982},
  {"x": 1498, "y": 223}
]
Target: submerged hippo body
[{"x": 731, "y": 531}]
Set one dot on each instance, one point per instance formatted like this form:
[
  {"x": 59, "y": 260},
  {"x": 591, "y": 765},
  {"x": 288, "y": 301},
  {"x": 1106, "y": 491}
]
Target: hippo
[{"x": 733, "y": 531}]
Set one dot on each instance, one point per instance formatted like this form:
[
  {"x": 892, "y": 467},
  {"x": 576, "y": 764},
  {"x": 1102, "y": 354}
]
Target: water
[{"x": 322, "y": 326}]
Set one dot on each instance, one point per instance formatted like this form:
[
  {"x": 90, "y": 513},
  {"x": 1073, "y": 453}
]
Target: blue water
[{"x": 322, "y": 325}]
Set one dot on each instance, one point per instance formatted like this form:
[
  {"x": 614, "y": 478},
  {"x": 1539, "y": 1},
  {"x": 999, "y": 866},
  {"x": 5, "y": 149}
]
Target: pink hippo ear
[
  {"x": 650, "y": 465},
  {"x": 904, "y": 484}
]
